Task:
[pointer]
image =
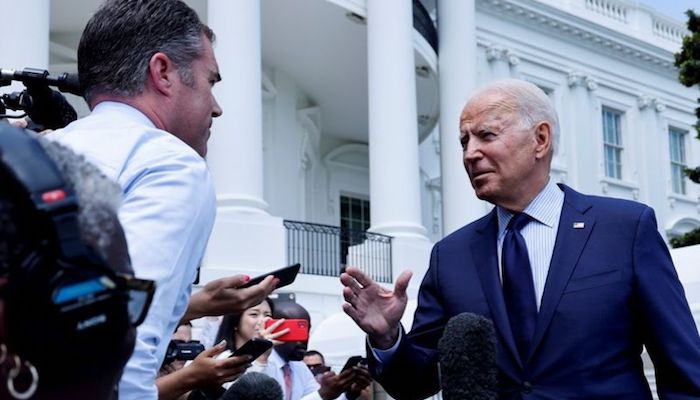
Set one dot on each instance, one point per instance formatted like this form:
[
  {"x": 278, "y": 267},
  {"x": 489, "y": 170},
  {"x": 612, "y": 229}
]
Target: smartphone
[
  {"x": 286, "y": 276},
  {"x": 255, "y": 347},
  {"x": 298, "y": 329},
  {"x": 353, "y": 361}
]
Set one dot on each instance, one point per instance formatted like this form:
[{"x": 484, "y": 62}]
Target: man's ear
[
  {"x": 162, "y": 73},
  {"x": 543, "y": 136}
]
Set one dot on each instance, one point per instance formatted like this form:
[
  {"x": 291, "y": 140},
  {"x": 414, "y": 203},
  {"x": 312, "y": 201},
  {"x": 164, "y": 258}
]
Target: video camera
[
  {"x": 182, "y": 350},
  {"x": 46, "y": 108}
]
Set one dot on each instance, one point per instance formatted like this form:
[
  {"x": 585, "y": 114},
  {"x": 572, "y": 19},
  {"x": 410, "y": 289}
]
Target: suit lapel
[
  {"x": 485, "y": 258},
  {"x": 574, "y": 230}
]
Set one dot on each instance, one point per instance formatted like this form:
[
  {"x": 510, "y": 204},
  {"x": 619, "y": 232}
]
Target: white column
[
  {"x": 393, "y": 126},
  {"x": 457, "y": 80},
  {"x": 585, "y": 154},
  {"x": 245, "y": 239},
  {"x": 235, "y": 147},
  {"x": 26, "y": 24},
  {"x": 394, "y": 175}
]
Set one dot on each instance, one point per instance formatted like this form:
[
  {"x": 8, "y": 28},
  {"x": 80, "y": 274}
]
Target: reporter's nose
[{"x": 216, "y": 111}]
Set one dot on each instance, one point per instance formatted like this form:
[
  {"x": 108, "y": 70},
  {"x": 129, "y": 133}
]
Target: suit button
[{"x": 527, "y": 387}]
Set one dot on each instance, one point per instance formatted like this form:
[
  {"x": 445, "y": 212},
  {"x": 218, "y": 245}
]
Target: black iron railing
[
  {"x": 424, "y": 24},
  {"x": 326, "y": 250}
]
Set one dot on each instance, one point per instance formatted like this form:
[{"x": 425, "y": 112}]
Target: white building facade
[{"x": 341, "y": 116}]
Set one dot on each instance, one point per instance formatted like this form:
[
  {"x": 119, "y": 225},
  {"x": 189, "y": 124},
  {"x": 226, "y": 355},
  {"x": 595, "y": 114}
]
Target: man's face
[
  {"x": 195, "y": 105},
  {"x": 313, "y": 360},
  {"x": 499, "y": 153},
  {"x": 292, "y": 351}
]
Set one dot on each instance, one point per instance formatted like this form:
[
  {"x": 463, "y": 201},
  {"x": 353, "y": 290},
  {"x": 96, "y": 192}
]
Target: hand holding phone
[
  {"x": 255, "y": 347},
  {"x": 353, "y": 362},
  {"x": 286, "y": 275},
  {"x": 298, "y": 329}
]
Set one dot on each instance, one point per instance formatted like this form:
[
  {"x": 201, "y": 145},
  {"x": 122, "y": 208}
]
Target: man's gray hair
[
  {"x": 531, "y": 102},
  {"x": 122, "y": 36}
]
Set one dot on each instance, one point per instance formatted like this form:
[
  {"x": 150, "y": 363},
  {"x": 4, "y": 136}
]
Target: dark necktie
[{"x": 518, "y": 286}]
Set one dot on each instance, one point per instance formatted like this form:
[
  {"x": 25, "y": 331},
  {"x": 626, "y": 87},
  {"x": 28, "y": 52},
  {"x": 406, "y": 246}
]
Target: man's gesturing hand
[{"x": 376, "y": 310}]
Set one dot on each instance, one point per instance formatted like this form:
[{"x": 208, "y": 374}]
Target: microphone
[
  {"x": 47, "y": 107},
  {"x": 467, "y": 351}
]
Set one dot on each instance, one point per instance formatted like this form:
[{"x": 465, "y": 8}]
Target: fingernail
[
  {"x": 222, "y": 343},
  {"x": 246, "y": 278}
]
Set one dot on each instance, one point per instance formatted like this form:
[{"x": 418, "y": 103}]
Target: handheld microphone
[
  {"x": 67, "y": 83},
  {"x": 467, "y": 353}
]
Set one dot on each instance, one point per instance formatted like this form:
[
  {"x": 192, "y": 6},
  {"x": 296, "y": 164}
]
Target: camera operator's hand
[
  {"x": 204, "y": 371},
  {"x": 222, "y": 296}
]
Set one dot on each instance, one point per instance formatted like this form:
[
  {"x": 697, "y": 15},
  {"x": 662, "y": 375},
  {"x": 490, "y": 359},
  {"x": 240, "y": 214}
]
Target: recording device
[
  {"x": 298, "y": 329},
  {"x": 354, "y": 361},
  {"x": 57, "y": 283},
  {"x": 467, "y": 351},
  {"x": 286, "y": 276},
  {"x": 182, "y": 350},
  {"x": 47, "y": 108},
  {"x": 255, "y": 347}
]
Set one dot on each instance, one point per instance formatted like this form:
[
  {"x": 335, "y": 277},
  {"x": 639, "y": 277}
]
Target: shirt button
[{"x": 526, "y": 387}]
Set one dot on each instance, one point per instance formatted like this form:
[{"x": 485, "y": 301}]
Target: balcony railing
[{"x": 326, "y": 250}]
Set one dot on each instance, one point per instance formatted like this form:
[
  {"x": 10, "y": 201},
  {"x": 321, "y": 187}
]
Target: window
[
  {"x": 354, "y": 221},
  {"x": 676, "y": 145},
  {"x": 612, "y": 143}
]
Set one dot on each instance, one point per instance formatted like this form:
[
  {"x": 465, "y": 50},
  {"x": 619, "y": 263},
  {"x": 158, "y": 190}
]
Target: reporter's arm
[
  {"x": 204, "y": 371},
  {"x": 223, "y": 296}
]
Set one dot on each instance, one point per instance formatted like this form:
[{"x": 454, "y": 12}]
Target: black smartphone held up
[
  {"x": 286, "y": 276},
  {"x": 255, "y": 347},
  {"x": 352, "y": 362}
]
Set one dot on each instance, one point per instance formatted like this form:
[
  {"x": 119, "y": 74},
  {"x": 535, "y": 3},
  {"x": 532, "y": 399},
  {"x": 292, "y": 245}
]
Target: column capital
[
  {"x": 576, "y": 78},
  {"x": 646, "y": 101},
  {"x": 659, "y": 106},
  {"x": 495, "y": 53},
  {"x": 513, "y": 58}
]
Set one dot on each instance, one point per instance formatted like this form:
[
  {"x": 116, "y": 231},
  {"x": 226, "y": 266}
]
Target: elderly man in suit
[{"x": 574, "y": 284}]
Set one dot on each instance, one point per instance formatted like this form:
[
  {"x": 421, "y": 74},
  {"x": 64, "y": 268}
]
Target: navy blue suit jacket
[{"x": 611, "y": 288}]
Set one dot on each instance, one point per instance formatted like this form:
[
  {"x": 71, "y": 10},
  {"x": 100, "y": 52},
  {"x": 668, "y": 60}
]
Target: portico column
[
  {"x": 28, "y": 45},
  {"x": 246, "y": 238},
  {"x": 393, "y": 126},
  {"x": 235, "y": 148},
  {"x": 457, "y": 80},
  {"x": 394, "y": 175}
]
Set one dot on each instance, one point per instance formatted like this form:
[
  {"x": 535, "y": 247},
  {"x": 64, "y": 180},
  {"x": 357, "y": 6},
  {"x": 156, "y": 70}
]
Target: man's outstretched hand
[{"x": 375, "y": 309}]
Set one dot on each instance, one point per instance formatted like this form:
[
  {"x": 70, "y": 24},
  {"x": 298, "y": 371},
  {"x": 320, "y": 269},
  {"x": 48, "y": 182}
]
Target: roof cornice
[{"x": 553, "y": 21}]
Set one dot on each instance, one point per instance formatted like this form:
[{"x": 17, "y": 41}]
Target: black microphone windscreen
[{"x": 467, "y": 353}]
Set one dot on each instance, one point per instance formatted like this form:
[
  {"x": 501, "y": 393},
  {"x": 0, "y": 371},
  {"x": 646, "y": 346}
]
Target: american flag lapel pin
[{"x": 579, "y": 225}]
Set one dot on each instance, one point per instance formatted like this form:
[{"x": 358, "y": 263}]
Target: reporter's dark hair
[
  {"x": 316, "y": 353},
  {"x": 229, "y": 325},
  {"x": 122, "y": 36},
  {"x": 254, "y": 386}
]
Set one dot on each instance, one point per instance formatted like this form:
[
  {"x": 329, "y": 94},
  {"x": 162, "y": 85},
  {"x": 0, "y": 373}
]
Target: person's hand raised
[{"x": 375, "y": 309}]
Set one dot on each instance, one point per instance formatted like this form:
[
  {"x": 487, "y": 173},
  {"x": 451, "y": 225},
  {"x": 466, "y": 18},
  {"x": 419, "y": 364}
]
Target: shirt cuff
[{"x": 384, "y": 356}]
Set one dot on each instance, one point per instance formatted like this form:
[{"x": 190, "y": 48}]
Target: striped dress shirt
[{"x": 540, "y": 234}]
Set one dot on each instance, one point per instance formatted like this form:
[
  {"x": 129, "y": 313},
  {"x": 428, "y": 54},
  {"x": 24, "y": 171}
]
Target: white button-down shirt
[{"x": 167, "y": 214}]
